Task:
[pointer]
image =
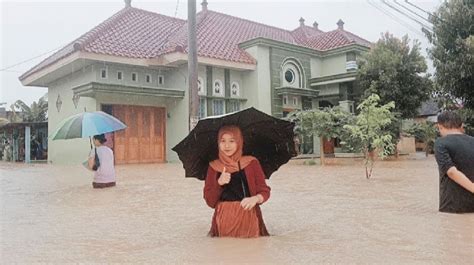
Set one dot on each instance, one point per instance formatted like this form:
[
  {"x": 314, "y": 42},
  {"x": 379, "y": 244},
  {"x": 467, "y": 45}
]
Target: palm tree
[
  {"x": 35, "y": 113},
  {"x": 3, "y": 121}
]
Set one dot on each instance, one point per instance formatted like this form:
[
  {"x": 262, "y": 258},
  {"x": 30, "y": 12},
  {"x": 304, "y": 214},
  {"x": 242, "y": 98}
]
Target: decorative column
[
  {"x": 347, "y": 105},
  {"x": 27, "y": 144}
]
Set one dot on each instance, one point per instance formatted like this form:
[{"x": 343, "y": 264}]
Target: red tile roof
[
  {"x": 334, "y": 39},
  {"x": 131, "y": 32},
  {"x": 136, "y": 33},
  {"x": 302, "y": 33},
  {"x": 218, "y": 36}
]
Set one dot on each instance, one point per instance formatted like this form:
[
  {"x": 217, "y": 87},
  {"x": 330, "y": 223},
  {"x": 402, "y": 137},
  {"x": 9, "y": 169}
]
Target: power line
[
  {"x": 419, "y": 8},
  {"x": 12, "y": 71},
  {"x": 25, "y": 61},
  {"x": 413, "y": 19},
  {"x": 176, "y": 10},
  {"x": 411, "y": 11},
  {"x": 434, "y": 16},
  {"x": 401, "y": 22}
]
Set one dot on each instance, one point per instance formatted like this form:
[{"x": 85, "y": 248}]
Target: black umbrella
[{"x": 267, "y": 138}]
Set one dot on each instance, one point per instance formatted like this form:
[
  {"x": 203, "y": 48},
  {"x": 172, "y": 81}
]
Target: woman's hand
[
  {"x": 224, "y": 178},
  {"x": 250, "y": 202},
  {"x": 90, "y": 162}
]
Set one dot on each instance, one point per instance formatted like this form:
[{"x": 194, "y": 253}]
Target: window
[
  {"x": 351, "y": 61},
  {"x": 285, "y": 100},
  {"x": 161, "y": 80},
  {"x": 103, "y": 73},
  {"x": 148, "y": 78},
  {"x": 234, "y": 105},
  {"x": 218, "y": 107},
  {"x": 119, "y": 75},
  {"x": 201, "y": 88},
  {"x": 202, "y": 108},
  {"x": 218, "y": 88},
  {"x": 295, "y": 101},
  {"x": 235, "y": 89},
  {"x": 290, "y": 76},
  {"x": 351, "y": 56},
  {"x": 134, "y": 77}
]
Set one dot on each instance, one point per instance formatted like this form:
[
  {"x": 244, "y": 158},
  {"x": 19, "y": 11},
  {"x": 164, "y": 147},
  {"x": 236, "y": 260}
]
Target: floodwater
[{"x": 316, "y": 214}]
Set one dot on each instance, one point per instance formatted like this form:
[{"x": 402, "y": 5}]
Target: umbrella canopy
[
  {"x": 87, "y": 124},
  {"x": 267, "y": 138}
]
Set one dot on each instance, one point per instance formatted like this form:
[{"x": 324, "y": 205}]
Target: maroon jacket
[
  {"x": 257, "y": 185},
  {"x": 255, "y": 180}
]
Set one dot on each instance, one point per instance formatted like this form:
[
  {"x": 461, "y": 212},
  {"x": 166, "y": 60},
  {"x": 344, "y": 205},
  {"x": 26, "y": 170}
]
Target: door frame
[{"x": 163, "y": 125}]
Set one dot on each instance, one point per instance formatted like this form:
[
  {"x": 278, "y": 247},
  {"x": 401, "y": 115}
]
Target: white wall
[
  {"x": 257, "y": 83},
  {"x": 316, "y": 67},
  {"x": 335, "y": 64},
  {"x": 74, "y": 150}
]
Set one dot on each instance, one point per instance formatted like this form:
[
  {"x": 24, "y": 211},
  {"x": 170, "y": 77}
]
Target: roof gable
[
  {"x": 334, "y": 39},
  {"x": 131, "y": 32}
]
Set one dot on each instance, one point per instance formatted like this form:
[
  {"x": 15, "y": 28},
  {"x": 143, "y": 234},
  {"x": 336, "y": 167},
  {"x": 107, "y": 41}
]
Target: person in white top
[{"x": 104, "y": 175}]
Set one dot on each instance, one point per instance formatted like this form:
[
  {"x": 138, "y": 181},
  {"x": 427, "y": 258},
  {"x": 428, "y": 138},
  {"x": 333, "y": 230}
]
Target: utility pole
[{"x": 192, "y": 66}]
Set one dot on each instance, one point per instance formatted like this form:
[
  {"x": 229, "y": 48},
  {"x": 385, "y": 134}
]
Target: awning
[
  {"x": 333, "y": 79},
  {"x": 91, "y": 89},
  {"x": 295, "y": 91}
]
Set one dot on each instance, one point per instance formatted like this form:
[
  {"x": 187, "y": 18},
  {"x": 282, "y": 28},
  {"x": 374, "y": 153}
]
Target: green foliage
[
  {"x": 425, "y": 132},
  {"x": 328, "y": 123},
  {"x": 452, "y": 50},
  {"x": 369, "y": 129},
  {"x": 395, "y": 72},
  {"x": 467, "y": 116},
  {"x": 35, "y": 113},
  {"x": 310, "y": 162}
]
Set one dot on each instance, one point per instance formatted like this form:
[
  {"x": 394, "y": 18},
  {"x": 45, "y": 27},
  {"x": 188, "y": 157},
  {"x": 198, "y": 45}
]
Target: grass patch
[{"x": 310, "y": 162}]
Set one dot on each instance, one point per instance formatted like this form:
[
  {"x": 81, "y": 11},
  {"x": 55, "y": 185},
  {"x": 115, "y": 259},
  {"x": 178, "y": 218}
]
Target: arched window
[
  {"x": 292, "y": 74},
  {"x": 235, "y": 90},
  {"x": 201, "y": 87},
  {"x": 218, "y": 88}
]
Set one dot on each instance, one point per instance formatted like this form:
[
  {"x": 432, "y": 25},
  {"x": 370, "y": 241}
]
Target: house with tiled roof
[{"x": 134, "y": 66}]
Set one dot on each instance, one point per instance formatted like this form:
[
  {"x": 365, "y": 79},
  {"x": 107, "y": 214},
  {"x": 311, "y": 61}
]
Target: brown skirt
[
  {"x": 231, "y": 220},
  {"x": 102, "y": 185}
]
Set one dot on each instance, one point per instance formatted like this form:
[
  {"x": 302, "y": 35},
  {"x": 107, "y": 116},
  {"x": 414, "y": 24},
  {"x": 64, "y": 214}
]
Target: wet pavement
[{"x": 316, "y": 214}]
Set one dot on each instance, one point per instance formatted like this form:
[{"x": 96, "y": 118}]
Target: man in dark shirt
[{"x": 454, "y": 153}]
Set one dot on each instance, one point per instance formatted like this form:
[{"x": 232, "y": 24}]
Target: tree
[
  {"x": 452, "y": 50},
  {"x": 424, "y": 132},
  {"x": 327, "y": 123},
  {"x": 36, "y": 112},
  {"x": 396, "y": 73},
  {"x": 3, "y": 121},
  {"x": 369, "y": 130}
]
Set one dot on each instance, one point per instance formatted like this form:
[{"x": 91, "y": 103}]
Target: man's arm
[
  {"x": 447, "y": 166},
  {"x": 461, "y": 179}
]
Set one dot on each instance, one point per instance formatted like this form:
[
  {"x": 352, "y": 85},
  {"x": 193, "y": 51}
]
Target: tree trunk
[
  {"x": 321, "y": 150},
  {"x": 370, "y": 163}
]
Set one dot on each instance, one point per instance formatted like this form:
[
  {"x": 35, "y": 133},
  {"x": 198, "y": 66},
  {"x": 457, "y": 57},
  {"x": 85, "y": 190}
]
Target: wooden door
[
  {"x": 144, "y": 139},
  {"x": 328, "y": 146}
]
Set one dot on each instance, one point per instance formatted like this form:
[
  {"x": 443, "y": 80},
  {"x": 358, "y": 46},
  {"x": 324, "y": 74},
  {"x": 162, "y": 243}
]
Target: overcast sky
[{"x": 30, "y": 29}]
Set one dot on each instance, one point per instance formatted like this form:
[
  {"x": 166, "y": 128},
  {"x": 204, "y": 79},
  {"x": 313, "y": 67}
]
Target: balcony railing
[{"x": 351, "y": 65}]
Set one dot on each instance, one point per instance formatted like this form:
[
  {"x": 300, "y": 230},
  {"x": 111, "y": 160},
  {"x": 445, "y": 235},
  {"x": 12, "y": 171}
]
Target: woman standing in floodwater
[
  {"x": 104, "y": 174},
  {"x": 235, "y": 187}
]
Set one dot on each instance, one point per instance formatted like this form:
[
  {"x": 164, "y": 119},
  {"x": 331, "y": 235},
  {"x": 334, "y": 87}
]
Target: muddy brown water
[{"x": 316, "y": 214}]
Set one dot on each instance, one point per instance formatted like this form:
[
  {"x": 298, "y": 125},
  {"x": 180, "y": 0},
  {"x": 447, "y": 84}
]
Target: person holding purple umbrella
[{"x": 101, "y": 160}]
